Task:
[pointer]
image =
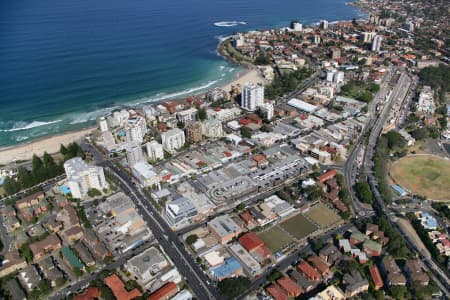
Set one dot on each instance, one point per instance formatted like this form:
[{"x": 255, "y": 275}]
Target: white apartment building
[
  {"x": 225, "y": 114},
  {"x": 173, "y": 139},
  {"x": 136, "y": 130},
  {"x": 267, "y": 110},
  {"x": 145, "y": 174},
  {"x": 134, "y": 154},
  {"x": 103, "y": 124},
  {"x": 188, "y": 115},
  {"x": 297, "y": 26},
  {"x": 252, "y": 96},
  {"x": 376, "y": 43},
  {"x": 81, "y": 177},
  {"x": 155, "y": 150},
  {"x": 213, "y": 129},
  {"x": 119, "y": 118},
  {"x": 324, "y": 24}
]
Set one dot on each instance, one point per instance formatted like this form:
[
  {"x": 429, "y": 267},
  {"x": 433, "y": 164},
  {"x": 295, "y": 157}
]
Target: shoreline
[{"x": 52, "y": 143}]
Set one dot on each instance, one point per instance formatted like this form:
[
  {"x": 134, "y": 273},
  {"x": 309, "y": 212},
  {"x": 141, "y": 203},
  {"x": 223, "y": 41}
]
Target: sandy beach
[
  {"x": 49, "y": 144},
  {"x": 52, "y": 144},
  {"x": 251, "y": 75}
]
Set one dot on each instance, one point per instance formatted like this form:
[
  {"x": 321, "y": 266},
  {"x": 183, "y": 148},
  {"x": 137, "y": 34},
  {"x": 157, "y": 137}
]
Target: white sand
[
  {"x": 250, "y": 76},
  {"x": 50, "y": 145}
]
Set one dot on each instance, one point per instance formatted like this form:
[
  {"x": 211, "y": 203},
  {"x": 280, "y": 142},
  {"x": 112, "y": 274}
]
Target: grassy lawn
[
  {"x": 298, "y": 226},
  {"x": 275, "y": 238},
  {"x": 323, "y": 216},
  {"x": 424, "y": 175}
]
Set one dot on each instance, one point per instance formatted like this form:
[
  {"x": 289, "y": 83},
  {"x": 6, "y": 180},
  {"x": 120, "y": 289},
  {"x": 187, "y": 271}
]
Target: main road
[
  {"x": 169, "y": 241},
  {"x": 399, "y": 93},
  {"x": 349, "y": 167}
]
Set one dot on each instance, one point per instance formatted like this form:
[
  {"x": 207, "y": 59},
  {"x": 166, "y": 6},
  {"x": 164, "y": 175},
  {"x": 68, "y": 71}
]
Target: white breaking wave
[
  {"x": 164, "y": 96},
  {"x": 21, "y": 125},
  {"x": 90, "y": 116},
  {"x": 222, "y": 38},
  {"x": 229, "y": 23}
]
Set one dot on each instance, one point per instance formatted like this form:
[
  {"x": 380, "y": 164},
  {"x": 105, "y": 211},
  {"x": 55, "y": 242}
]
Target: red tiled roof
[
  {"x": 320, "y": 265},
  {"x": 326, "y": 176},
  {"x": 376, "y": 277},
  {"x": 308, "y": 270},
  {"x": 118, "y": 288},
  {"x": 259, "y": 158},
  {"x": 247, "y": 217},
  {"x": 91, "y": 293},
  {"x": 289, "y": 285},
  {"x": 276, "y": 292},
  {"x": 164, "y": 292},
  {"x": 250, "y": 241}
]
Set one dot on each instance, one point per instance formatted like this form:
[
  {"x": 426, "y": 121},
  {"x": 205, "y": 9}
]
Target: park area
[
  {"x": 323, "y": 216},
  {"x": 298, "y": 226},
  {"x": 275, "y": 238},
  {"x": 424, "y": 175}
]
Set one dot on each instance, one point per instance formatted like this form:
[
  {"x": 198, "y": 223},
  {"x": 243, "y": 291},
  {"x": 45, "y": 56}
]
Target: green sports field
[
  {"x": 275, "y": 238},
  {"x": 298, "y": 226},
  {"x": 424, "y": 175}
]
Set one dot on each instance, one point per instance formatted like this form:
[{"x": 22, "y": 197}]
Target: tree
[
  {"x": 25, "y": 178},
  {"x": 395, "y": 141},
  {"x": 233, "y": 287},
  {"x": 94, "y": 192},
  {"x": 398, "y": 292},
  {"x": 246, "y": 132},
  {"x": 420, "y": 133},
  {"x": 25, "y": 252},
  {"x": 201, "y": 114},
  {"x": 180, "y": 124},
  {"x": 363, "y": 192},
  {"x": 191, "y": 239},
  {"x": 276, "y": 274},
  {"x": 11, "y": 186},
  {"x": 262, "y": 59}
]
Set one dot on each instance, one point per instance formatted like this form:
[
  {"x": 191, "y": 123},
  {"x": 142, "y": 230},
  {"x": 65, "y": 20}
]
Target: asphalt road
[
  {"x": 399, "y": 93},
  {"x": 350, "y": 166},
  {"x": 185, "y": 264}
]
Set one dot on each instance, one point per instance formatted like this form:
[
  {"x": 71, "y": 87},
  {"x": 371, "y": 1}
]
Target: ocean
[{"x": 65, "y": 63}]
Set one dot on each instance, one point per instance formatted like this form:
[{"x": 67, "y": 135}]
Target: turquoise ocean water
[{"x": 64, "y": 63}]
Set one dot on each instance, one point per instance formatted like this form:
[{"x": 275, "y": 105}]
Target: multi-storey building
[
  {"x": 252, "y": 96},
  {"x": 134, "y": 154},
  {"x": 173, "y": 139},
  {"x": 194, "y": 132},
  {"x": 155, "y": 150},
  {"x": 82, "y": 177},
  {"x": 213, "y": 129}
]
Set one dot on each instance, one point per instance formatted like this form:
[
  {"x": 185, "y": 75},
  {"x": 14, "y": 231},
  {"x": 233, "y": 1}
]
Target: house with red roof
[
  {"x": 308, "y": 270},
  {"x": 276, "y": 292},
  {"x": 290, "y": 287},
  {"x": 376, "y": 277},
  {"x": 92, "y": 293},
  {"x": 247, "y": 218},
  {"x": 254, "y": 245},
  {"x": 327, "y": 175},
  {"x": 118, "y": 288},
  {"x": 165, "y": 292},
  {"x": 320, "y": 265}
]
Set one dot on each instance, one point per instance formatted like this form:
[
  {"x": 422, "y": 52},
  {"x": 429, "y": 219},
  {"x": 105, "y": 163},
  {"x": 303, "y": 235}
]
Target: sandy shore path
[{"x": 49, "y": 144}]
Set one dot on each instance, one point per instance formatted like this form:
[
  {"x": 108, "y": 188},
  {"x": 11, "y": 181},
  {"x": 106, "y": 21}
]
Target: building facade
[
  {"x": 252, "y": 96},
  {"x": 82, "y": 177}
]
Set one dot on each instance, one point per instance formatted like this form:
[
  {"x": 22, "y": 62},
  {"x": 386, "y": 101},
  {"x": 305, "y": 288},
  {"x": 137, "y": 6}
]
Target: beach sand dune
[{"x": 50, "y": 145}]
